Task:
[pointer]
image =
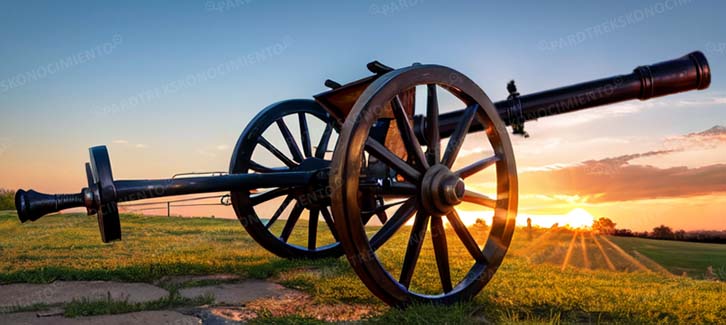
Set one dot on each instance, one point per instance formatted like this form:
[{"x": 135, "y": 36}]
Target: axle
[{"x": 686, "y": 73}]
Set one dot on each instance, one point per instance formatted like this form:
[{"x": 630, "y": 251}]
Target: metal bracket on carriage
[
  {"x": 332, "y": 84},
  {"x": 378, "y": 68},
  {"x": 514, "y": 110}
]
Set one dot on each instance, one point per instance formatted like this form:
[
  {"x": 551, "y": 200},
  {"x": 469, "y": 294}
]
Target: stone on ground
[
  {"x": 25, "y": 294},
  {"x": 181, "y": 279},
  {"x": 236, "y": 293},
  {"x": 142, "y": 317}
]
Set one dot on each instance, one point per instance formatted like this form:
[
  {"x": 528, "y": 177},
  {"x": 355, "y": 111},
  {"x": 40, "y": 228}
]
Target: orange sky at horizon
[{"x": 638, "y": 181}]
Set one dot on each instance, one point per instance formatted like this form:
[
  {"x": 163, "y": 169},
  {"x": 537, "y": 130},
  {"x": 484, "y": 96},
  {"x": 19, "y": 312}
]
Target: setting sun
[{"x": 576, "y": 218}]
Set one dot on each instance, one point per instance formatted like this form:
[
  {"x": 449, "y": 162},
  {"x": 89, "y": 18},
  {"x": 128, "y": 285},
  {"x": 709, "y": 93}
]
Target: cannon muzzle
[{"x": 32, "y": 205}]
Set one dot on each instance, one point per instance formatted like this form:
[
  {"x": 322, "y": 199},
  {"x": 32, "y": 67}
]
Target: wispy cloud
[
  {"x": 206, "y": 153},
  {"x": 711, "y": 138},
  {"x": 631, "y": 107},
  {"x": 126, "y": 143}
]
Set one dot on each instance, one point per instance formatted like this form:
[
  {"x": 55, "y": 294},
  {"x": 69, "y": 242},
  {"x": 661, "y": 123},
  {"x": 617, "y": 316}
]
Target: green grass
[
  {"x": 68, "y": 247},
  {"x": 678, "y": 256},
  {"x": 108, "y": 306}
]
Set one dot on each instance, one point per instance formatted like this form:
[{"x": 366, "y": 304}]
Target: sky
[{"x": 126, "y": 75}]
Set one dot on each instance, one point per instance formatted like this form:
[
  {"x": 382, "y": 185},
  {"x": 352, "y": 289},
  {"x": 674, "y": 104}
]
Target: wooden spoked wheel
[
  {"x": 429, "y": 190},
  {"x": 280, "y": 138}
]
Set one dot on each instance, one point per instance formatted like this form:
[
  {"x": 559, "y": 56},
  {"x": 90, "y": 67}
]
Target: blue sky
[{"x": 153, "y": 43}]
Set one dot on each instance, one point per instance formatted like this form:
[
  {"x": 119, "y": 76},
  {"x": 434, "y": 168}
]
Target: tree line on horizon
[
  {"x": 662, "y": 232},
  {"x": 7, "y": 199},
  {"x": 602, "y": 225}
]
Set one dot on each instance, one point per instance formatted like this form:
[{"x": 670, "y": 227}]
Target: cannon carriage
[{"x": 391, "y": 168}]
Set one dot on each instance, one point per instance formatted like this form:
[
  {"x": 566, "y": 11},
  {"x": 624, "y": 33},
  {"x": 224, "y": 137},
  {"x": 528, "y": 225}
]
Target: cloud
[
  {"x": 222, "y": 147},
  {"x": 632, "y": 107},
  {"x": 127, "y": 143},
  {"x": 206, "y": 153},
  {"x": 710, "y": 138},
  {"x": 615, "y": 179},
  {"x": 713, "y": 100},
  {"x": 588, "y": 116}
]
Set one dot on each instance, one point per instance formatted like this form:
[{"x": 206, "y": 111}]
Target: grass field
[
  {"x": 534, "y": 284},
  {"x": 679, "y": 257}
]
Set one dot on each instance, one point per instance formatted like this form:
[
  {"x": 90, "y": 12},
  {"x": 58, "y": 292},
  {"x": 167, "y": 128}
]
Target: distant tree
[
  {"x": 623, "y": 233},
  {"x": 642, "y": 234},
  {"x": 480, "y": 222},
  {"x": 662, "y": 232},
  {"x": 529, "y": 228},
  {"x": 7, "y": 199},
  {"x": 604, "y": 226},
  {"x": 680, "y": 235}
]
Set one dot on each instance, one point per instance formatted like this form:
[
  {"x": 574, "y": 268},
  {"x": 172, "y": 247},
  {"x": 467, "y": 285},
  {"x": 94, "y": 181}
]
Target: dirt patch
[
  {"x": 291, "y": 303},
  {"x": 302, "y": 304},
  {"x": 251, "y": 299}
]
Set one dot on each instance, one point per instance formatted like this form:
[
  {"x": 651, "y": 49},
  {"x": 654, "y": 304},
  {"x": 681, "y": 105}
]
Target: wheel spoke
[
  {"x": 291, "y": 221},
  {"x": 305, "y": 135},
  {"x": 480, "y": 199},
  {"x": 313, "y": 229},
  {"x": 394, "y": 223},
  {"x": 441, "y": 251},
  {"x": 477, "y": 166},
  {"x": 269, "y": 195},
  {"x": 281, "y": 156},
  {"x": 264, "y": 169},
  {"x": 279, "y": 211},
  {"x": 457, "y": 138},
  {"x": 465, "y": 237},
  {"x": 413, "y": 147},
  {"x": 290, "y": 140},
  {"x": 413, "y": 250},
  {"x": 433, "y": 149},
  {"x": 379, "y": 151},
  {"x": 329, "y": 220},
  {"x": 323, "y": 144}
]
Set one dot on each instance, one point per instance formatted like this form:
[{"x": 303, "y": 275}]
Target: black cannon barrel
[
  {"x": 686, "y": 73},
  {"x": 32, "y": 205}
]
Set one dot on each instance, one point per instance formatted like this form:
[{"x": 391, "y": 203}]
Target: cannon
[{"x": 391, "y": 169}]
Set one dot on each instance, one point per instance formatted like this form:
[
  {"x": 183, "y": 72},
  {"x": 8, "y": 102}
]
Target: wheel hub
[{"x": 441, "y": 190}]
